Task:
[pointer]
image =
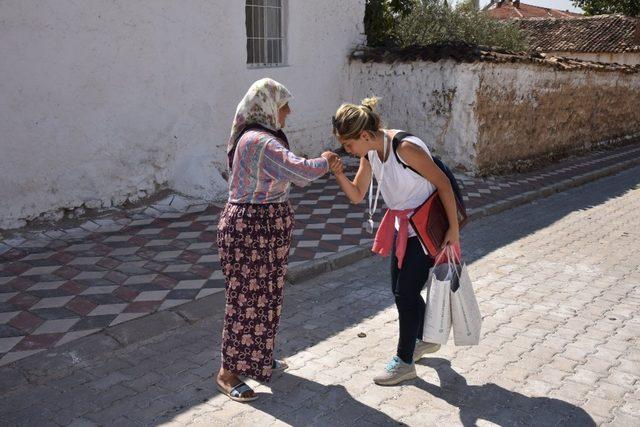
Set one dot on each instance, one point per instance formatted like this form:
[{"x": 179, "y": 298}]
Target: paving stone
[
  {"x": 601, "y": 407},
  {"x": 108, "y": 381},
  {"x": 610, "y": 391},
  {"x": 622, "y": 419},
  {"x": 82, "y": 422}
]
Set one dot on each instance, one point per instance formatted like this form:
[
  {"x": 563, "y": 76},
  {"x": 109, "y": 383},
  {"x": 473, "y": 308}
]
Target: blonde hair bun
[
  {"x": 370, "y": 102},
  {"x": 351, "y": 120}
]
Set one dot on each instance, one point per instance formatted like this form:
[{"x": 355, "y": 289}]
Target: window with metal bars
[{"x": 265, "y": 35}]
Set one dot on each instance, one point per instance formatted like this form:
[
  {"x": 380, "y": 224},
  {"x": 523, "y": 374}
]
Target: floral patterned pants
[{"x": 253, "y": 244}]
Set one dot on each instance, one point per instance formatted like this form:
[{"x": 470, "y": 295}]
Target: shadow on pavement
[
  {"x": 337, "y": 406},
  {"x": 496, "y": 404}
]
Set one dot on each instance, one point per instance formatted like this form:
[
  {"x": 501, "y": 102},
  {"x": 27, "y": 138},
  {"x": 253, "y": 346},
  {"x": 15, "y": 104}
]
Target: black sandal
[
  {"x": 279, "y": 366},
  {"x": 237, "y": 392}
]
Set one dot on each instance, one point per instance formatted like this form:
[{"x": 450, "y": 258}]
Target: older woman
[{"x": 254, "y": 233}]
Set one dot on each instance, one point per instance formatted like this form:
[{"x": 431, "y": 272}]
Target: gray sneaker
[
  {"x": 423, "y": 348},
  {"x": 396, "y": 372}
]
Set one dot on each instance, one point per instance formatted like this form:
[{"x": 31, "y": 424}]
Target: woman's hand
[
  {"x": 337, "y": 168},
  {"x": 330, "y": 156},
  {"x": 452, "y": 237},
  {"x": 335, "y": 162}
]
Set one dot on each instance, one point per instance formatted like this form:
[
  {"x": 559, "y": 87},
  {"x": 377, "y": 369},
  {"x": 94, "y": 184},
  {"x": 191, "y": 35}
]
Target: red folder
[{"x": 430, "y": 222}]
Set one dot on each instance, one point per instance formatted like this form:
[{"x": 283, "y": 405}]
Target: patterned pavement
[{"x": 58, "y": 285}]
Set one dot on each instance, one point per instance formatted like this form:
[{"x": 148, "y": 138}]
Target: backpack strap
[
  {"x": 452, "y": 179},
  {"x": 397, "y": 139}
]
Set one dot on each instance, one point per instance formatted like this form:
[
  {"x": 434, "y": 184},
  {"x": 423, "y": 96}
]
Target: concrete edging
[{"x": 548, "y": 190}]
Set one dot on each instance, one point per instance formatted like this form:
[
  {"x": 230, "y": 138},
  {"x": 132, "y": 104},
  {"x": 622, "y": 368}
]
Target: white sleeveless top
[{"x": 401, "y": 188}]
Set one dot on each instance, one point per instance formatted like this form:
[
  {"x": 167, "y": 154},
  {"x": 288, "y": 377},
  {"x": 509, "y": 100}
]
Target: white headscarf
[{"x": 259, "y": 105}]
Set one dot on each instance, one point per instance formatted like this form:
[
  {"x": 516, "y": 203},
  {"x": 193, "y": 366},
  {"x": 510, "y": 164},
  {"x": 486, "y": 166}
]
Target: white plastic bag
[
  {"x": 437, "y": 317},
  {"x": 465, "y": 312}
]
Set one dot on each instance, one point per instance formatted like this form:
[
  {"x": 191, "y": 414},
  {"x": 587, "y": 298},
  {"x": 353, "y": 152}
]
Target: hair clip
[{"x": 334, "y": 122}]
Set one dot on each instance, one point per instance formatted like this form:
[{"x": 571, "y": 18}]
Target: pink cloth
[{"x": 383, "y": 242}]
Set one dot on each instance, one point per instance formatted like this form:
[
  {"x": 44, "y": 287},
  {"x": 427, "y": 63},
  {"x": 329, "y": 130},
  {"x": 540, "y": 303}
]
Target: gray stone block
[
  {"x": 56, "y": 362},
  {"x": 202, "y": 308},
  {"x": 145, "y": 327}
]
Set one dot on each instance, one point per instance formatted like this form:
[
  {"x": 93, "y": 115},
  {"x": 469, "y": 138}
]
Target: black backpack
[{"x": 397, "y": 139}]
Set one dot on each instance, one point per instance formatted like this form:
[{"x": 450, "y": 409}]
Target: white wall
[
  {"x": 434, "y": 101},
  {"x": 107, "y": 100}
]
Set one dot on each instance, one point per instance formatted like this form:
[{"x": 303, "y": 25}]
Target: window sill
[{"x": 263, "y": 66}]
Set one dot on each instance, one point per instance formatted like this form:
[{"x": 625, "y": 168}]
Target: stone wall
[{"x": 526, "y": 111}]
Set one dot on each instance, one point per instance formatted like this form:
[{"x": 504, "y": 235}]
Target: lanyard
[{"x": 372, "y": 209}]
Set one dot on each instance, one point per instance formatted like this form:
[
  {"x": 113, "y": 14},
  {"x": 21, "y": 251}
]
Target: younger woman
[{"x": 359, "y": 131}]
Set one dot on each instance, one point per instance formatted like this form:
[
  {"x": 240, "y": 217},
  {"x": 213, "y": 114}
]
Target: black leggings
[{"x": 406, "y": 284}]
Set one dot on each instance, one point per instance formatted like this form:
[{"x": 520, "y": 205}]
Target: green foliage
[
  {"x": 422, "y": 22},
  {"x": 601, "y": 7},
  {"x": 434, "y": 21},
  {"x": 380, "y": 17}
]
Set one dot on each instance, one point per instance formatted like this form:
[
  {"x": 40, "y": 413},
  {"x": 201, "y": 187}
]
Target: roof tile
[
  {"x": 511, "y": 10},
  {"x": 602, "y": 33}
]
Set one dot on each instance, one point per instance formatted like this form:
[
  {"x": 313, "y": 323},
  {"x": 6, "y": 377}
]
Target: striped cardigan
[{"x": 263, "y": 169}]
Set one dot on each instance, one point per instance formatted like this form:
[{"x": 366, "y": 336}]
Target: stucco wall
[
  {"x": 435, "y": 101},
  {"x": 631, "y": 58},
  {"x": 108, "y": 100}
]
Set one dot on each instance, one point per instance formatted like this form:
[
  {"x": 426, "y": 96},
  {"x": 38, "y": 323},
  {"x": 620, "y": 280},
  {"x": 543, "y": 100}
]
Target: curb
[
  {"x": 326, "y": 264},
  {"x": 549, "y": 190},
  {"x": 57, "y": 362}
]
